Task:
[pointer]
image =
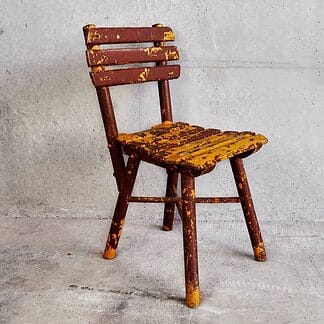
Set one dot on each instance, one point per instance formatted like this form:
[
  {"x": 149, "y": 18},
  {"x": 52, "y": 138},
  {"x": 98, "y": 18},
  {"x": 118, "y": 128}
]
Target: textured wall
[{"x": 246, "y": 65}]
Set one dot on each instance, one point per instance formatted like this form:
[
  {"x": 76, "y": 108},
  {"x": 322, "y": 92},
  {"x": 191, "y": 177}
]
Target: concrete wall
[{"x": 245, "y": 65}]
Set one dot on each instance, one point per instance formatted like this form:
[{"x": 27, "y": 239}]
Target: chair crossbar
[{"x": 208, "y": 200}]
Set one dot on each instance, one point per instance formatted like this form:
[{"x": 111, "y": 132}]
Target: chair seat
[{"x": 183, "y": 147}]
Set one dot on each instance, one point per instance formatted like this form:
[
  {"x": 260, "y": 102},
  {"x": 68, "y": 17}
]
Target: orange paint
[
  {"x": 192, "y": 297},
  {"x": 110, "y": 253},
  {"x": 259, "y": 252},
  {"x": 173, "y": 146}
]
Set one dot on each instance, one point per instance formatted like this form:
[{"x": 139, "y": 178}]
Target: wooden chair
[{"x": 178, "y": 147}]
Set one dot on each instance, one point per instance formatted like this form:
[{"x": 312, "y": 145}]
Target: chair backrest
[{"x": 101, "y": 59}]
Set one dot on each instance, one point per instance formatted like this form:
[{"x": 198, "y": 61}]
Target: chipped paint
[
  {"x": 110, "y": 253},
  {"x": 152, "y": 51},
  {"x": 248, "y": 209},
  {"x": 178, "y": 143},
  {"x": 97, "y": 69},
  {"x": 259, "y": 252},
  {"x": 143, "y": 75},
  {"x": 193, "y": 297},
  {"x": 93, "y": 36},
  {"x": 171, "y": 54},
  {"x": 188, "y": 149},
  {"x": 168, "y": 36}
]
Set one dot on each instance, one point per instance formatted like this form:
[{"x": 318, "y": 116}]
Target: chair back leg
[
  {"x": 171, "y": 191},
  {"x": 190, "y": 240},
  {"x": 118, "y": 220},
  {"x": 248, "y": 208}
]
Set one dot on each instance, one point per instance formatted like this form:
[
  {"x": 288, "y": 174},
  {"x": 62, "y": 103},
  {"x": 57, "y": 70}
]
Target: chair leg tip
[
  {"x": 193, "y": 298},
  {"x": 261, "y": 258},
  {"x": 166, "y": 228},
  {"x": 109, "y": 253},
  {"x": 260, "y": 253}
]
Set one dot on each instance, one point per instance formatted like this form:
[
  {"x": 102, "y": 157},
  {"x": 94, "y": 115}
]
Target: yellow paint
[
  {"x": 152, "y": 51},
  {"x": 94, "y": 48},
  {"x": 97, "y": 69},
  {"x": 143, "y": 75},
  {"x": 168, "y": 36},
  {"x": 102, "y": 60},
  {"x": 259, "y": 252},
  {"x": 167, "y": 140},
  {"x": 105, "y": 78},
  {"x": 167, "y": 123},
  {"x": 147, "y": 136},
  {"x": 93, "y": 35},
  {"x": 171, "y": 54},
  {"x": 193, "y": 297}
]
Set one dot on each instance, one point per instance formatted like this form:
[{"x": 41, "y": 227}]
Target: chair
[{"x": 178, "y": 147}]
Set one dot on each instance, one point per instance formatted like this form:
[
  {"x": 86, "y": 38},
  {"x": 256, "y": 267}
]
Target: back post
[
  {"x": 109, "y": 120},
  {"x": 164, "y": 89},
  {"x": 166, "y": 115}
]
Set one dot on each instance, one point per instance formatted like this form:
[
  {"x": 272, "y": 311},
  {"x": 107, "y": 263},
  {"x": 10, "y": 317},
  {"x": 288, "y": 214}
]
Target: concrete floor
[{"x": 51, "y": 271}]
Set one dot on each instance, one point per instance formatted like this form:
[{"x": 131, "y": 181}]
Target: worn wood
[
  {"x": 171, "y": 191},
  {"x": 190, "y": 240},
  {"x": 119, "y": 35},
  {"x": 181, "y": 147},
  {"x": 248, "y": 209},
  {"x": 178, "y": 147},
  {"x": 166, "y": 115},
  {"x": 118, "y": 220},
  {"x": 109, "y": 120},
  {"x": 154, "y": 199},
  {"x": 217, "y": 200},
  {"x": 175, "y": 199},
  {"x": 164, "y": 88},
  {"x": 131, "y": 55},
  {"x": 165, "y": 97},
  {"x": 134, "y": 75}
]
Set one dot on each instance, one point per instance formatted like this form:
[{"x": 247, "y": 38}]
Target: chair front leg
[
  {"x": 118, "y": 220},
  {"x": 171, "y": 191},
  {"x": 248, "y": 209},
  {"x": 190, "y": 240}
]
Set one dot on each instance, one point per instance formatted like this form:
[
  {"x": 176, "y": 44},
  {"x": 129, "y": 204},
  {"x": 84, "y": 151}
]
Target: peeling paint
[
  {"x": 152, "y": 51},
  {"x": 143, "y": 75},
  {"x": 168, "y": 36},
  {"x": 259, "y": 252},
  {"x": 191, "y": 146}
]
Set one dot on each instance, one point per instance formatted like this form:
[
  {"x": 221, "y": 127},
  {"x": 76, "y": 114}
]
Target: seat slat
[
  {"x": 101, "y": 35},
  {"x": 131, "y": 55},
  {"x": 135, "y": 75}
]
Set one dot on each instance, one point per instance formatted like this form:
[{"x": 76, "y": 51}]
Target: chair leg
[
  {"x": 121, "y": 208},
  {"x": 248, "y": 209},
  {"x": 190, "y": 240},
  {"x": 171, "y": 191}
]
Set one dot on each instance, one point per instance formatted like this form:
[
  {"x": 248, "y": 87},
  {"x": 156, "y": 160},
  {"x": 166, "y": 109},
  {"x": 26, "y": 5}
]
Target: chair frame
[{"x": 186, "y": 203}]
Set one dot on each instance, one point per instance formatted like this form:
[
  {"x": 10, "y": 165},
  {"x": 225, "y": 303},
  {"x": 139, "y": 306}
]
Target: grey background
[{"x": 247, "y": 65}]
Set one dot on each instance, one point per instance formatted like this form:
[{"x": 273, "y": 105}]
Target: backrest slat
[
  {"x": 118, "y": 35},
  {"x": 134, "y": 75},
  {"x": 131, "y": 55}
]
